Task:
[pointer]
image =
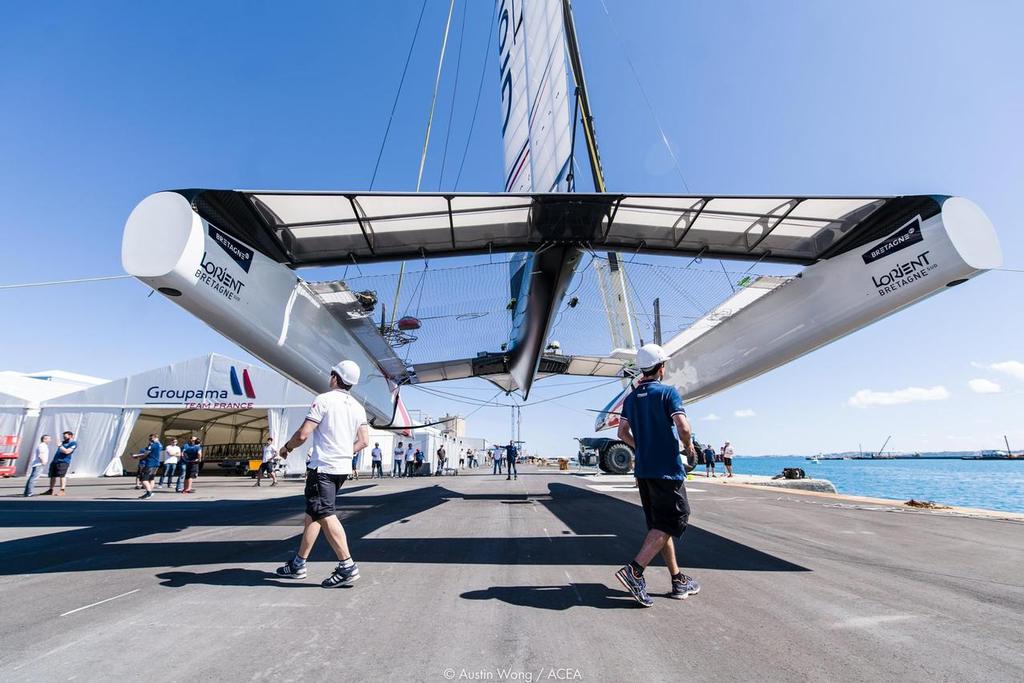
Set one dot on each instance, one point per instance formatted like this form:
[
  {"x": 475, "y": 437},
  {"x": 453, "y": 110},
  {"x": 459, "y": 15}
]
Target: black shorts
[
  {"x": 267, "y": 467},
  {"x": 58, "y": 469},
  {"x": 321, "y": 490},
  {"x": 665, "y": 505},
  {"x": 191, "y": 470},
  {"x": 728, "y": 462},
  {"x": 147, "y": 473}
]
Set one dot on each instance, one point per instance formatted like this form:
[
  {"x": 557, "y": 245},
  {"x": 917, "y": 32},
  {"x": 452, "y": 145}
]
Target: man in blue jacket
[
  {"x": 149, "y": 463},
  {"x": 648, "y": 415},
  {"x": 60, "y": 463}
]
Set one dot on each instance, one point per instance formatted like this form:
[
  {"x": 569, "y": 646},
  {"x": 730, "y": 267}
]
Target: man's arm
[
  {"x": 686, "y": 436},
  {"x": 362, "y": 439},
  {"x": 299, "y": 437},
  {"x": 625, "y": 434}
]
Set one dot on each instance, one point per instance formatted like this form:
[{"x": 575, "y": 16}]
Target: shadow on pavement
[
  {"x": 228, "y": 577},
  {"x": 606, "y": 531},
  {"x": 557, "y": 597}
]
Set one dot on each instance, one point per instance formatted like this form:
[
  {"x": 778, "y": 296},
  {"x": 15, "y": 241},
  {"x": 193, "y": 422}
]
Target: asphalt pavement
[{"x": 473, "y": 577}]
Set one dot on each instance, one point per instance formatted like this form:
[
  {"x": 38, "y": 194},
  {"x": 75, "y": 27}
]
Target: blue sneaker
[
  {"x": 341, "y": 576},
  {"x": 292, "y": 570},
  {"x": 636, "y": 586},
  {"x": 683, "y": 586}
]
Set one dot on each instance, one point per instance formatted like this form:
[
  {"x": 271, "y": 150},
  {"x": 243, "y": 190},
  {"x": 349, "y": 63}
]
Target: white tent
[
  {"x": 21, "y": 395},
  {"x": 224, "y": 400}
]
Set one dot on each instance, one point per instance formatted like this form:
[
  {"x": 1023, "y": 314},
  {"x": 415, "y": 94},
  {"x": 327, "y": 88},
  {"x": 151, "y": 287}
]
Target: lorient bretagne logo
[
  {"x": 235, "y": 249},
  {"x": 906, "y": 236}
]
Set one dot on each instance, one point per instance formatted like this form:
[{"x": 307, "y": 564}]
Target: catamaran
[{"x": 231, "y": 257}]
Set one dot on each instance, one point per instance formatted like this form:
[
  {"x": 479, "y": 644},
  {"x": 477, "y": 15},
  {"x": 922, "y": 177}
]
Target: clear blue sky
[{"x": 106, "y": 102}]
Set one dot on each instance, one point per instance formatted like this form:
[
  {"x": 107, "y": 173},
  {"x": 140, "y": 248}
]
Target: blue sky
[{"x": 106, "y": 102}]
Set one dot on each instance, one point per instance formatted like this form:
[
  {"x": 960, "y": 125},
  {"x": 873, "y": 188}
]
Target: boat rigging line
[
  {"x": 75, "y": 281},
  {"x": 455, "y": 92},
  {"x": 479, "y": 91},
  {"x": 426, "y": 141},
  {"x": 401, "y": 82}
]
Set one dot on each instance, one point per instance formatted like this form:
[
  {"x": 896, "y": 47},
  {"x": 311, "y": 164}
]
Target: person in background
[
  {"x": 267, "y": 465},
  {"x": 511, "y": 453},
  {"x": 727, "y": 454},
  {"x": 442, "y": 457},
  {"x": 709, "y": 461},
  {"x": 60, "y": 463},
  {"x": 410, "y": 459},
  {"x": 149, "y": 462},
  {"x": 649, "y": 413},
  {"x": 355, "y": 465},
  {"x": 462, "y": 459},
  {"x": 40, "y": 458},
  {"x": 191, "y": 456},
  {"x": 376, "y": 462},
  {"x": 399, "y": 458},
  {"x": 171, "y": 456},
  {"x": 498, "y": 457},
  {"x": 421, "y": 459},
  {"x": 337, "y": 423}
]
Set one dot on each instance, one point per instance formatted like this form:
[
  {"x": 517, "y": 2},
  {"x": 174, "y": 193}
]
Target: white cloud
[
  {"x": 746, "y": 412},
  {"x": 1013, "y": 368},
  {"x": 710, "y": 418},
  {"x": 867, "y": 397},
  {"x": 984, "y": 386}
]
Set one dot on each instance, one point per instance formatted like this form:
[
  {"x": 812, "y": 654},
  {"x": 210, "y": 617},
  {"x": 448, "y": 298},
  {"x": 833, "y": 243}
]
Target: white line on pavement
[{"x": 79, "y": 609}]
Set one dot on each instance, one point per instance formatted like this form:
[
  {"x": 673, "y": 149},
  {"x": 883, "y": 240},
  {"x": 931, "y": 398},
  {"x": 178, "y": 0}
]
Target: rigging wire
[
  {"x": 75, "y": 281},
  {"x": 650, "y": 107},
  {"x": 401, "y": 82},
  {"x": 426, "y": 141},
  {"x": 455, "y": 91},
  {"x": 479, "y": 91}
]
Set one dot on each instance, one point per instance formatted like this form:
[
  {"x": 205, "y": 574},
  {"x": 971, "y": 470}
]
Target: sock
[
  {"x": 298, "y": 561},
  {"x": 637, "y": 569},
  {"x": 346, "y": 563}
]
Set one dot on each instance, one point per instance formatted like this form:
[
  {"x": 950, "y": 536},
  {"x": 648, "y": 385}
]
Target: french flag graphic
[{"x": 245, "y": 385}]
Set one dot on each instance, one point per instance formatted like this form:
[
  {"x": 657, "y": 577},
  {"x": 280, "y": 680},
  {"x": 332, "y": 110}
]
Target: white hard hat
[
  {"x": 348, "y": 372},
  {"x": 650, "y": 355}
]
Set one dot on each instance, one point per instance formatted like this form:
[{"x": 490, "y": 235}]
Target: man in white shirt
[
  {"x": 40, "y": 458},
  {"x": 171, "y": 455},
  {"x": 267, "y": 464},
  {"x": 410, "y": 459},
  {"x": 376, "y": 462},
  {"x": 397, "y": 462},
  {"x": 727, "y": 457},
  {"x": 337, "y": 423}
]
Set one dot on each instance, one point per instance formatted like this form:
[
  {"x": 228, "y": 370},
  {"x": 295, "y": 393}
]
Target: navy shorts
[
  {"x": 147, "y": 473},
  {"x": 665, "y": 505},
  {"x": 321, "y": 490},
  {"x": 59, "y": 469},
  {"x": 191, "y": 470}
]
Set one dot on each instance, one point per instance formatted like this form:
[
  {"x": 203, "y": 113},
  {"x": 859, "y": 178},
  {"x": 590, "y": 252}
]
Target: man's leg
[
  {"x": 654, "y": 543},
  {"x": 668, "y": 553},
  {"x": 336, "y": 536},
  {"x": 30, "y": 483},
  {"x": 63, "y": 484},
  {"x": 310, "y": 530}
]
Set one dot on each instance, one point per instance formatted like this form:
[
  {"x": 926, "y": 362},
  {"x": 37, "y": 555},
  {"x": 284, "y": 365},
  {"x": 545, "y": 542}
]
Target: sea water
[{"x": 989, "y": 484}]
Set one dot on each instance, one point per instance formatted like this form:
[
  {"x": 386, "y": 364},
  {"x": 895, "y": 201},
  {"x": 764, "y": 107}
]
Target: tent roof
[{"x": 29, "y": 390}]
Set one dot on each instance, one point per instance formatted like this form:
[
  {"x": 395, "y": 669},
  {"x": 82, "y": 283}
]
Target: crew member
[
  {"x": 40, "y": 457},
  {"x": 267, "y": 464},
  {"x": 149, "y": 463},
  {"x": 376, "y": 462},
  {"x": 511, "y": 453},
  {"x": 191, "y": 455},
  {"x": 727, "y": 454},
  {"x": 648, "y": 414},
  {"x": 337, "y": 423}
]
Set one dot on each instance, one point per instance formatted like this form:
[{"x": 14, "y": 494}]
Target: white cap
[
  {"x": 348, "y": 371},
  {"x": 650, "y": 355}
]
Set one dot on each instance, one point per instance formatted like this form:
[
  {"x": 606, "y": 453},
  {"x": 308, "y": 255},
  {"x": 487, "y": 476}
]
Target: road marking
[{"x": 101, "y": 602}]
